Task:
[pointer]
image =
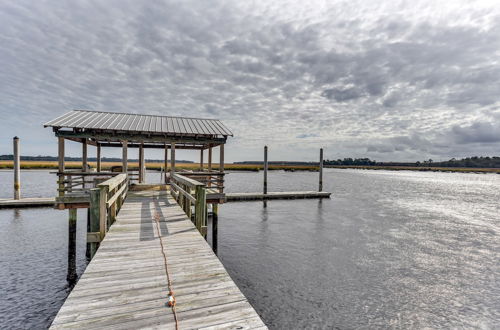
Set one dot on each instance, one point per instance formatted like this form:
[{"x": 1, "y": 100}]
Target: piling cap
[{"x": 16, "y": 138}]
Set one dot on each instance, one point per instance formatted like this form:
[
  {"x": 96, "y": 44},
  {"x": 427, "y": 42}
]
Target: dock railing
[
  {"x": 82, "y": 182},
  {"x": 188, "y": 193},
  {"x": 211, "y": 179},
  {"x": 105, "y": 202}
]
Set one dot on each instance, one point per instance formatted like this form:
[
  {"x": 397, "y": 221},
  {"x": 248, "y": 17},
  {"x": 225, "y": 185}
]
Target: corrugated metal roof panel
[{"x": 86, "y": 119}]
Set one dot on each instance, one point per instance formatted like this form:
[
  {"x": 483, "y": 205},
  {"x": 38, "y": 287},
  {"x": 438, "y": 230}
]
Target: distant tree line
[
  {"x": 474, "y": 162},
  {"x": 350, "y": 161},
  {"x": 79, "y": 159}
]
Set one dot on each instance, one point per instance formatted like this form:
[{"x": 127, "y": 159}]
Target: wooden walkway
[
  {"x": 27, "y": 202},
  {"x": 236, "y": 197},
  {"x": 125, "y": 286}
]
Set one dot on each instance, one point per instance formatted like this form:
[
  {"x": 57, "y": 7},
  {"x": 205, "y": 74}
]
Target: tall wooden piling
[
  {"x": 265, "y": 169},
  {"x": 320, "y": 169},
  {"x": 71, "y": 274},
  {"x": 17, "y": 169}
]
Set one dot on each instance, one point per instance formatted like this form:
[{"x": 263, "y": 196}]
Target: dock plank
[{"x": 125, "y": 286}]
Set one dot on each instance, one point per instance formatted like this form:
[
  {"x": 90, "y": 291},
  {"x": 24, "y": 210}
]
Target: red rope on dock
[{"x": 171, "y": 298}]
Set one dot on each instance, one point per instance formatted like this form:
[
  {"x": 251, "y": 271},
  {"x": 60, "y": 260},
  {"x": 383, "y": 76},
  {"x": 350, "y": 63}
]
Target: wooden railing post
[
  {"x": 200, "y": 209},
  {"x": 103, "y": 212},
  {"x": 92, "y": 245}
]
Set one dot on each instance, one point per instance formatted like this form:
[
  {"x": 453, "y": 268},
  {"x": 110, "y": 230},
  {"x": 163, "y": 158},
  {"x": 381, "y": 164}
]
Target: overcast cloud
[{"x": 389, "y": 80}]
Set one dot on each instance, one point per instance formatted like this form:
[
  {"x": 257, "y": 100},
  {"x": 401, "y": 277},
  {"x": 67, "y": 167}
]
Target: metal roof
[{"x": 99, "y": 120}]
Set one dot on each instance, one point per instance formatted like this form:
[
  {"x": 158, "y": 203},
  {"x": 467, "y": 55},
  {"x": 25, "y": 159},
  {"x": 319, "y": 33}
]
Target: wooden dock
[
  {"x": 235, "y": 197},
  {"x": 125, "y": 285},
  {"x": 27, "y": 202}
]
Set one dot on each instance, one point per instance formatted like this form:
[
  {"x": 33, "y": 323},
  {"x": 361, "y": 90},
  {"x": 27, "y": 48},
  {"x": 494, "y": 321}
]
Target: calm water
[{"x": 389, "y": 250}]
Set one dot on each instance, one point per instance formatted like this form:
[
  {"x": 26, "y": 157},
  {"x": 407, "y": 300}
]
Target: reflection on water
[{"x": 390, "y": 249}]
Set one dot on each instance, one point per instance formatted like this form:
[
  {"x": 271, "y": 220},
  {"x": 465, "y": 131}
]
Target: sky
[{"x": 388, "y": 80}]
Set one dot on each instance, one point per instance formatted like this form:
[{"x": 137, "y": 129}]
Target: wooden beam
[
  {"x": 61, "y": 154},
  {"x": 124, "y": 156},
  {"x": 201, "y": 160},
  {"x": 172, "y": 160},
  {"x": 221, "y": 164},
  {"x": 209, "y": 164},
  {"x": 98, "y": 156},
  {"x": 60, "y": 158},
  {"x": 141, "y": 164},
  {"x": 165, "y": 164},
  {"x": 150, "y": 146},
  {"x": 221, "y": 158},
  {"x": 210, "y": 159},
  {"x": 140, "y": 138},
  {"x": 84, "y": 155}
]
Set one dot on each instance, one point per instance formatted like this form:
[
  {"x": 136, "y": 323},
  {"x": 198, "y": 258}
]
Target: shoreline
[
  {"x": 74, "y": 165},
  {"x": 479, "y": 170}
]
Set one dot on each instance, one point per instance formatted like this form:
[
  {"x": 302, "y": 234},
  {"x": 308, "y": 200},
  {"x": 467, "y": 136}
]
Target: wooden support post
[
  {"x": 84, "y": 156},
  {"x": 103, "y": 211},
  {"x": 17, "y": 169},
  {"x": 124, "y": 156},
  {"x": 141, "y": 163},
  {"x": 172, "y": 160},
  {"x": 61, "y": 165},
  {"x": 94, "y": 220},
  {"x": 320, "y": 169},
  {"x": 201, "y": 160},
  {"x": 215, "y": 229},
  {"x": 166, "y": 164},
  {"x": 98, "y": 156},
  {"x": 210, "y": 165},
  {"x": 87, "y": 250},
  {"x": 265, "y": 169},
  {"x": 201, "y": 209},
  {"x": 71, "y": 274},
  {"x": 221, "y": 164}
]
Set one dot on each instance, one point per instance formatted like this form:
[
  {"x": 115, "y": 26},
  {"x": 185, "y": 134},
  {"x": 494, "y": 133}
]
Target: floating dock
[
  {"x": 27, "y": 202},
  {"x": 235, "y": 197},
  {"x": 125, "y": 284}
]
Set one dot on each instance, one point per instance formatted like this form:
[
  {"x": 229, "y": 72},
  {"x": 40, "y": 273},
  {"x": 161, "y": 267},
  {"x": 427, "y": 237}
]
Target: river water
[{"x": 388, "y": 250}]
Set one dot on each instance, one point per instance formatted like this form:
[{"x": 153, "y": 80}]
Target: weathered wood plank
[{"x": 125, "y": 286}]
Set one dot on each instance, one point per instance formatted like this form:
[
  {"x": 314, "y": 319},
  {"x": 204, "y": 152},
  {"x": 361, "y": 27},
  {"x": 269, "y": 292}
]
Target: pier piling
[
  {"x": 17, "y": 169},
  {"x": 320, "y": 170},
  {"x": 265, "y": 170},
  {"x": 71, "y": 275},
  {"x": 215, "y": 225}
]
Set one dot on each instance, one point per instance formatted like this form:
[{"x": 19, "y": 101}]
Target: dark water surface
[{"x": 389, "y": 250}]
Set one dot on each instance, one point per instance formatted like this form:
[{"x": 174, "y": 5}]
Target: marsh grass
[
  {"x": 27, "y": 165},
  {"x": 31, "y": 165}
]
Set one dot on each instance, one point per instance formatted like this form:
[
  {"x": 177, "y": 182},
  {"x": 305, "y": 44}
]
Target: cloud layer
[{"x": 389, "y": 80}]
